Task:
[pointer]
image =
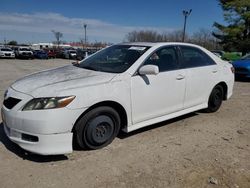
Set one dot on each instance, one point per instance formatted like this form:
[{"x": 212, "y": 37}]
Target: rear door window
[{"x": 194, "y": 57}]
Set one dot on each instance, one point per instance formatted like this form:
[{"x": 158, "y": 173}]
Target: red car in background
[{"x": 51, "y": 53}]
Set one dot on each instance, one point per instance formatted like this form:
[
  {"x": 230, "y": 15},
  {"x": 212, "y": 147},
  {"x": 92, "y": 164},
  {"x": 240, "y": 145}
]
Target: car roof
[
  {"x": 161, "y": 44},
  {"x": 151, "y": 44}
]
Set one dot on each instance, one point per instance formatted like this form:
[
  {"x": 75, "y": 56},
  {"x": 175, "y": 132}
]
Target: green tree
[
  {"x": 235, "y": 35},
  {"x": 12, "y": 42}
]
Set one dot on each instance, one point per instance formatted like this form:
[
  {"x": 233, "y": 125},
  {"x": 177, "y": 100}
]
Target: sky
[{"x": 28, "y": 21}]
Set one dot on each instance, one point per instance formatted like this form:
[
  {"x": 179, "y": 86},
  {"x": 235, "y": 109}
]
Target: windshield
[
  {"x": 6, "y": 50},
  {"x": 115, "y": 59},
  {"x": 246, "y": 56},
  {"x": 24, "y": 49}
]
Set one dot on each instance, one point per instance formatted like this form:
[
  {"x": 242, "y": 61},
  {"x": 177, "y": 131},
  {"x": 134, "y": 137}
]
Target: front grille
[
  {"x": 26, "y": 53},
  {"x": 241, "y": 70},
  {"x": 11, "y": 102}
]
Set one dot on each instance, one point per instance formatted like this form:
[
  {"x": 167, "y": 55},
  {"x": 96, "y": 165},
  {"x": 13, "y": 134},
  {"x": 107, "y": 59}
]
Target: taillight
[{"x": 233, "y": 70}]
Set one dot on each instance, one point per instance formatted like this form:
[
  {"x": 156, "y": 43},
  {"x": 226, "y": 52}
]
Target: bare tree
[
  {"x": 174, "y": 36},
  {"x": 82, "y": 41},
  {"x": 143, "y": 36},
  {"x": 204, "y": 37},
  {"x": 153, "y": 36},
  {"x": 58, "y": 36}
]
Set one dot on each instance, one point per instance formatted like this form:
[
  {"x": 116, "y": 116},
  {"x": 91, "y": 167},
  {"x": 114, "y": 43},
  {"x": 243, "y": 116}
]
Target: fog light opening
[{"x": 29, "y": 138}]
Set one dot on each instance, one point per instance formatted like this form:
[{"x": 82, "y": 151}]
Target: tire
[
  {"x": 215, "y": 99},
  {"x": 97, "y": 128}
]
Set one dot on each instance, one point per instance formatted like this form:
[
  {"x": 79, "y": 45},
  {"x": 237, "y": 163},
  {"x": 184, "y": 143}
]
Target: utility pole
[
  {"x": 85, "y": 34},
  {"x": 85, "y": 39},
  {"x": 185, "y": 14},
  {"x": 5, "y": 41}
]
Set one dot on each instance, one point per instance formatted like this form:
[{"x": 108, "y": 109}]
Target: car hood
[
  {"x": 54, "y": 81},
  {"x": 25, "y": 51},
  {"x": 242, "y": 63}
]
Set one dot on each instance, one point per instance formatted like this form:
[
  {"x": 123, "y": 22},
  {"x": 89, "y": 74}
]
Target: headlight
[{"x": 48, "y": 103}]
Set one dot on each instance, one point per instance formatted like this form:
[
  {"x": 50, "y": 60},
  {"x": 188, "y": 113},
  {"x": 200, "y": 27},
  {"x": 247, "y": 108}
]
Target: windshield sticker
[{"x": 139, "y": 48}]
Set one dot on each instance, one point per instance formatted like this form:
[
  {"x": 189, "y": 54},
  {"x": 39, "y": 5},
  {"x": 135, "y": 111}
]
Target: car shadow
[
  {"x": 14, "y": 148},
  {"x": 123, "y": 135}
]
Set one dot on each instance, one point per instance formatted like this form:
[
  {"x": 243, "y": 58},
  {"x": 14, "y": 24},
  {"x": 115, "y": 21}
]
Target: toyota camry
[{"x": 123, "y": 87}]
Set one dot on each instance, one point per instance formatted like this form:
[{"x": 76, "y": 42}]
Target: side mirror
[{"x": 149, "y": 70}]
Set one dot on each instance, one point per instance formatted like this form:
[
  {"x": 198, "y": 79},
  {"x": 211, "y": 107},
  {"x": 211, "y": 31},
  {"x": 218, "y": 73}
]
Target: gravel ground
[{"x": 195, "y": 150}]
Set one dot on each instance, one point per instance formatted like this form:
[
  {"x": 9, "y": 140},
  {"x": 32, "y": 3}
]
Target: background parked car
[
  {"x": 59, "y": 53},
  {"x": 51, "y": 53},
  {"x": 70, "y": 54},
  {"x": 40, "y": 54},
  {"x": 242, "y": 67},
  {"x": 219, "y": 53},
  {"x": 24, "y": 52},
  {"x": 232, "y": 56},
  {"x": 7, "y": 53},
  {"x": 80, "y": 54}
]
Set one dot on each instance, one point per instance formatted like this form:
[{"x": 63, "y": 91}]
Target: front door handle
[
  {"x": 180, "y": 77},
  {"x": 214, "y": 71}
]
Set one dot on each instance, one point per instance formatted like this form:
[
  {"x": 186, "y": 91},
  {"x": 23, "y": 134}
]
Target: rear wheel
[
  {"x": 97, "y": 128},
  {"x": 215, "y": 99}
]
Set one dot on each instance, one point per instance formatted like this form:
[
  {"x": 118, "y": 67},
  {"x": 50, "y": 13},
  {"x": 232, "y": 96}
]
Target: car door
[
  {"x": 201, "y": 74},
  {"x": 157, "y": 95}
]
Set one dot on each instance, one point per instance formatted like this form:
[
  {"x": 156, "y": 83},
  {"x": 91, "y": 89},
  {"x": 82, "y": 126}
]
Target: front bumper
[
  {"x": 7, "y": 55},
  {"x": 45, "y": 132},
  {"x": 53, "y": 144},
  {"x": 26, "y": 56}
]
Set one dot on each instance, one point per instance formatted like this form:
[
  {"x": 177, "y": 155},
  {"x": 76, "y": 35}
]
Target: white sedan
[
  {"x": 7, "y": 53},
  {"x": 123, "y": 87}
]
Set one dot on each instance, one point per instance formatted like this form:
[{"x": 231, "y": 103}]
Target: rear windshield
[
  {"x": 6, "y": 50},
  {"x": 24, "y": 49}
]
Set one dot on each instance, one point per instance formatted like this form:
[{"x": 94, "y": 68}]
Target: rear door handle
[
  {"x": 180, "y": 77},
  {"x": 214, "y": 71}
]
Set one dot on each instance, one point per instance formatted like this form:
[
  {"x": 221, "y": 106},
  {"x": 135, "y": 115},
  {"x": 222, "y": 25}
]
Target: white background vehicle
[
  {"x": 70, "y": 54},
  {"x": 6, "y": 53},
  {"x": 123, "y": 87},
  {"x": 24, "y": 52}
]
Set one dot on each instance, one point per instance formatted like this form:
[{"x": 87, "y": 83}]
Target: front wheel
[
  {"x": 97, "y": 128},
  {"x": 215, "y": 99}
]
